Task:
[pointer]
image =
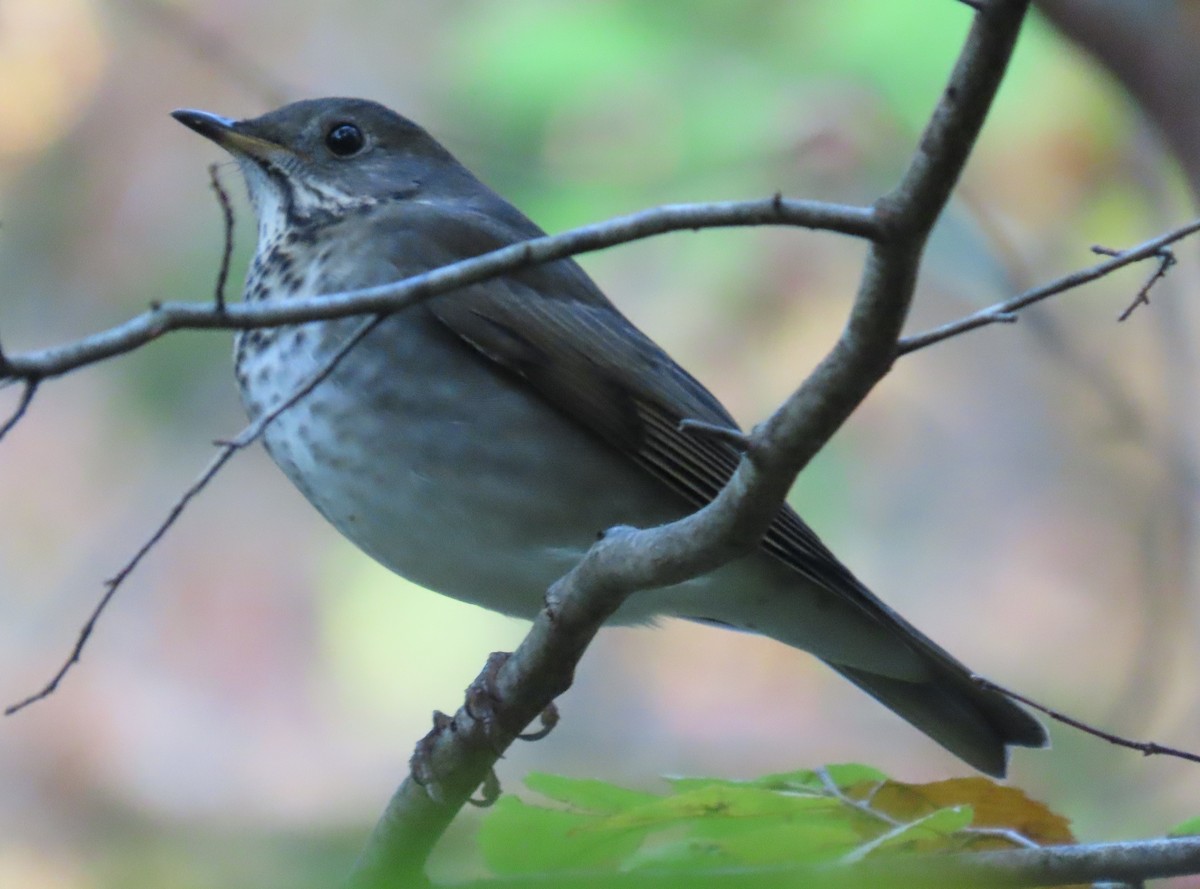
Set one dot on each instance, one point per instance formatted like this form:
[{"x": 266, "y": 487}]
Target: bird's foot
[
  {"x": 421, "y": 767},
  {"x": 489, "y": 791},
  {"x": 483, "y": 696},
  {"x": 548, "y": 718},
  {"x": 420, "y": 764}
]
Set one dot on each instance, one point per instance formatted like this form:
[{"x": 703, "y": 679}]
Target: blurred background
[{"x": 1025, "y": 494}]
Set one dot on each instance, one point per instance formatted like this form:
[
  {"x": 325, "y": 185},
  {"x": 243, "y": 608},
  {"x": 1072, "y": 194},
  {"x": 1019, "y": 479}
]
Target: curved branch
[
  {"x": 461, "y": 751},
  {"x": 165, "y": 317}
]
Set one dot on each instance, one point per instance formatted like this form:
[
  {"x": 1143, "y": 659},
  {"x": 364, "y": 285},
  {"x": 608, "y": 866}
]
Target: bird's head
[{"x": 323, "y": 156}]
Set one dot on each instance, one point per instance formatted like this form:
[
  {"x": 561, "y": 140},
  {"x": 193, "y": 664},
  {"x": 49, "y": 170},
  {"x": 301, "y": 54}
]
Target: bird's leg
[{"x": 422, "y": 769}]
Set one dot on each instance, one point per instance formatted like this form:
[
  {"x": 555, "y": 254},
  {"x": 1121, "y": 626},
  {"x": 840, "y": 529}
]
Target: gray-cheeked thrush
[{"x": 478, "y": 442}]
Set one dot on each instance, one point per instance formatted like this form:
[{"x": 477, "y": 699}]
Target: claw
[
  {"x": 489, "y": 790},
  {"x": 419, "y": 764},
  {"x": 549, "y": 720},
  {"x": 482, "y": 697}
]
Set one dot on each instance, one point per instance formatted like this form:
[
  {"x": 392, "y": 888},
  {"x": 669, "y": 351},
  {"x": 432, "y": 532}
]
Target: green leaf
[
  {"x": 847, "y": 774},
  {"x": 684, "y": 854},
  {"x": 788, "y": 818},
  {"x": 947, "y": 821},
  {"x": 588, "y": 794},
  {"x": 927, "y": 832},
  {"x": 842, "y": 775},
  {"x": 517, "y": 838},
  {"x": 1191, "y": 827},
  {"x": 720, "y": 801},
  {"x": 784, "y": 841},
  {"x": 683, "y": 785}
]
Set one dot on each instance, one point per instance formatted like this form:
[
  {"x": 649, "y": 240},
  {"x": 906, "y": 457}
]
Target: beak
[{"x": 232, "y": 135}]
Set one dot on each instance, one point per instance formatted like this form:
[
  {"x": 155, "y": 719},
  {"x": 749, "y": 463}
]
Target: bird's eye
[{"x": 345, "y": 139}]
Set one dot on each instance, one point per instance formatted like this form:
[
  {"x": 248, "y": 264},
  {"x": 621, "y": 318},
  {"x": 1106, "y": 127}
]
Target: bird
[{"x": 477, "y": 443}]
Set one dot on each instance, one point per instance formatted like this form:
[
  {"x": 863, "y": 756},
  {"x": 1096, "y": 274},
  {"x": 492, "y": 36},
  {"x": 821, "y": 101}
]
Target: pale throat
[{"x": 284, "y": 200}]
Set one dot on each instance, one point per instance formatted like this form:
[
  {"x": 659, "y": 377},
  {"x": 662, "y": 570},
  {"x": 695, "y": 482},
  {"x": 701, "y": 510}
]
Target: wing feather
[{"x": 553, "y": 327}]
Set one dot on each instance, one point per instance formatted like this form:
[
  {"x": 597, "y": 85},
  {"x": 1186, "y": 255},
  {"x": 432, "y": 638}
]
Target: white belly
[{"x": 444, "y": 471}]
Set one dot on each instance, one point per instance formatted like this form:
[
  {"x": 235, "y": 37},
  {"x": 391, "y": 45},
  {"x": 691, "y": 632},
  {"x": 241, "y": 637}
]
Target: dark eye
[{"x": 344, "y": 139}]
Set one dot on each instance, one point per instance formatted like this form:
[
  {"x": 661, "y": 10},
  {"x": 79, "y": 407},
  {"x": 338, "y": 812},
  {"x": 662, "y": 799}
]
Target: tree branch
[
  {"x": 165, "y": 317},
  {"x": 462, "y": 752},
  {"x": 1005, "y": 311}
]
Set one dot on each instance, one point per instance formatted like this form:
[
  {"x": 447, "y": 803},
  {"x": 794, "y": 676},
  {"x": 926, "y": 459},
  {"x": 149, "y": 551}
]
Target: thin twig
[
  {"x": 1166, "y": 259},
  {"x": 31, "y": 386},
  {"x": 114, "y": 583},
  {"x": 228, "y": 448},
  {"x": 227, "y": 251},
  {"x": 992, "y": 314},
  {"x": 1146, "y": 748},
  {"x": 161, "y": 319},
  {"x": 859, "y": 853},
  {"x": 864, "y": 806}
]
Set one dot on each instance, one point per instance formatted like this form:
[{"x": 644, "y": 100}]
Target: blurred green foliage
[{"x": 826, "y": 819}]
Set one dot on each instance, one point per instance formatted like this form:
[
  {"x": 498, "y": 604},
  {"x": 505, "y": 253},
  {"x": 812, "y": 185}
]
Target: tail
[{"x": 974, "y": 723}]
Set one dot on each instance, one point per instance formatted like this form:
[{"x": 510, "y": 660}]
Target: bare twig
[
  {"x": 160, "y": 319},
  {"x": 227, "y": 250},
  {"x": 228, "y": 448},
  {"x": 31, "y": 387},
  {"x": 1166, "y": 259},
  {"x": 1146, "y": 748},
  {"x": 114, "y": 583},
  {"x": 992, "y": 314},
  {"x": 864, "y": 806}
]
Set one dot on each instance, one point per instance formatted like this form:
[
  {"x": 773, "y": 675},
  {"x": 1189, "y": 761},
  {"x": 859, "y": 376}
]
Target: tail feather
[{"x": 974, "y": 723}]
